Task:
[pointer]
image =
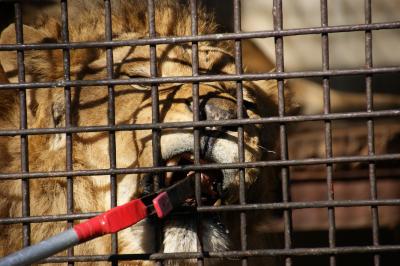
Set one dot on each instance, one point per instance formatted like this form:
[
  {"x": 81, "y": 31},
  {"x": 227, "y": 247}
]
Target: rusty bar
[
  {"x": 370, "y": 129},
  {"x": 277, "y": 163},
  {"x": 344, "y": 176},
  {"x": 236, "y": 254},
  {"x": 195, "y": 97},
  {"x": 209, "y": 123},
  {"x": 154, "y": 92},
  {"x": 328, "y": 130},
  {"x": 287, "y": 214},
  {"x": 196, "y": 117},
  {"x": 240, "y": 131},
  {"x": 111, "y": 119},
  {"x": 26, "y": 228},
  {"x": 225, "y": 208},
  {"x": 156, "y": 134},
  {"x": 67, "y": 102},
  {"x": 206, "y": 37},
  {"x": 203, "y": 78}
]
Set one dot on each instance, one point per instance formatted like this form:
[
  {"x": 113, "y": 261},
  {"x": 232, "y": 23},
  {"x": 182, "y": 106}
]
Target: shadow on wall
[{"x": 347, "y": 50}]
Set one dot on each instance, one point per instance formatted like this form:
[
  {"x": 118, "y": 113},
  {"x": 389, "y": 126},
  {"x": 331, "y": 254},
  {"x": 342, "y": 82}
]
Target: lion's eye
[
  {"x": 124, "y": 75},
  {"x": 129, "y": 76}
]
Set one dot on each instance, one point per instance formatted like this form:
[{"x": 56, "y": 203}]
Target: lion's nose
[{"x": 219, "y": 109}]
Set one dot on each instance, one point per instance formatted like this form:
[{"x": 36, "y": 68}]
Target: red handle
[{"x": 112, "y": 221}]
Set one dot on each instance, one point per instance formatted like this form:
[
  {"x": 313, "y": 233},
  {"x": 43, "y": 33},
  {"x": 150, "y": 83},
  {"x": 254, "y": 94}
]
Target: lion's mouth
[
  {"x": 211, "y": 185},
  {"x": 184, "y": 230},
  {"x": 211, "y": 181}
]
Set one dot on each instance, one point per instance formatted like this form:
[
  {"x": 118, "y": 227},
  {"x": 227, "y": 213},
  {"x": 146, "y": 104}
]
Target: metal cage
[{"x": 292, "y": 254}]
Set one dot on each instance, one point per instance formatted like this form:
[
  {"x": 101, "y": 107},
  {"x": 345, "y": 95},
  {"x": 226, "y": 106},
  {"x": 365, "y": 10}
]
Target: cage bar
[
  {"x": 26, "y": 228},
  {"x": 111, "y": 119},
  {"x": 240, "y": 131},
  {"x": 225, "y": 208},
  {"x": 204, "y": 78},
  {"x": 370, "y": 129},
  {"x": 328, "y": 130},
  {"x": 287, "y": 214},
  {"x": 205, "y": 37},
  {"x": 155, "y": 114},
  {"x": 202, "y": 124},
  {"x": 196, "y": 117},
  {"x": 277, "y": 163},
  {"x": 289, "y": 252},
  {"x": 298, "y": 252},
  {"x": 68, "y": 118}
]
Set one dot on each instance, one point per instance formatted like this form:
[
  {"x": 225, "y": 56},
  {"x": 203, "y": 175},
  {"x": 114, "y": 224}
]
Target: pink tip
[{"x": 162, "y": 205}]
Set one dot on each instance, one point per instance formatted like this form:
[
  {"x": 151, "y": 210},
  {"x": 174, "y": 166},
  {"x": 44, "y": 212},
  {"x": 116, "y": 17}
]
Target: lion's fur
[{"x": 46, "y": 109}]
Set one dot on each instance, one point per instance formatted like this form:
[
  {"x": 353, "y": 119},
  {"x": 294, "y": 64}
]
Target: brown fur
[{"x": 133, "y": 105}]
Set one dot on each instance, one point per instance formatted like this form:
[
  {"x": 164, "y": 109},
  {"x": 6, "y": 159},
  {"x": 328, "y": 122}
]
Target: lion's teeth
[
  {"x": 168, "y": 178},
  {"x": 168, "y": 175},
  {"x": 217, "y": 203},
  {"x": 190, "y": 173}
]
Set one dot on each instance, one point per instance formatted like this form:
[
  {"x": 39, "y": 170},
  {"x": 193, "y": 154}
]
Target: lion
[{"x": 133, "y": 102}]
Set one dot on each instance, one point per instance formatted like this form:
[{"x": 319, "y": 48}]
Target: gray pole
[{"x": 44, "y": 249}]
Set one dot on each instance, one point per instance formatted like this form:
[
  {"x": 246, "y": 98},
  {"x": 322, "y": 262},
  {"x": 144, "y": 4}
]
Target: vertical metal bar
[
  {"x": 370, "y": 127},
  {"x": 328, "y": 129},
  {"x": 154, "y": 92},
  {"x": 239, "y": 96},
  {"x": 67, "y": 101},
  {"x": 23, "y": 125},
  {"x": 196, "y": 117},
  {"x": 287, "y": 214},
  {"x": 195, "y": 92},
  {"x": 111, "y": 120},
  {"x": 155, "y": 111}
]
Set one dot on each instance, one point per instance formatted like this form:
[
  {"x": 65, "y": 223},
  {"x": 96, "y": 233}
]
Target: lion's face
[{"x": 133, "y": 105}]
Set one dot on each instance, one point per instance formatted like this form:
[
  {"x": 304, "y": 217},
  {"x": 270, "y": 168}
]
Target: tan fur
[{"x": 133, "y": 106}]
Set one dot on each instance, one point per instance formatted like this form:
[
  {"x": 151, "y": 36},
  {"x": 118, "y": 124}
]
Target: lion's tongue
[
  {"x": 206, "y": 184},
  {"x": 207, "y": 192}
]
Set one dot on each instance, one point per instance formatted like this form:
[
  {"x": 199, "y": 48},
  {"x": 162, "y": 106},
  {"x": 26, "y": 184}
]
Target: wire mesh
[{"x": 283, "y": 120}]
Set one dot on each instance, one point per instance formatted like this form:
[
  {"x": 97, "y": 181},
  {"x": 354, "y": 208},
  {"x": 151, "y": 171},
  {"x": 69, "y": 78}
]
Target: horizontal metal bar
[
  {"x": 202, "y": 124},
  {"x": 233, "y": 254},
  {"x": 202, "y": 78},
  {"x": 225, "y": 208},
  {"x": 214, "y": 166},
  {"x": 303, "y": 176},
  {"x": 286, "y": 252},
  {"x": 200, "y": 38},
  {"x": 300, "y": 205},
  {"x": 96, "y": 258}
]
